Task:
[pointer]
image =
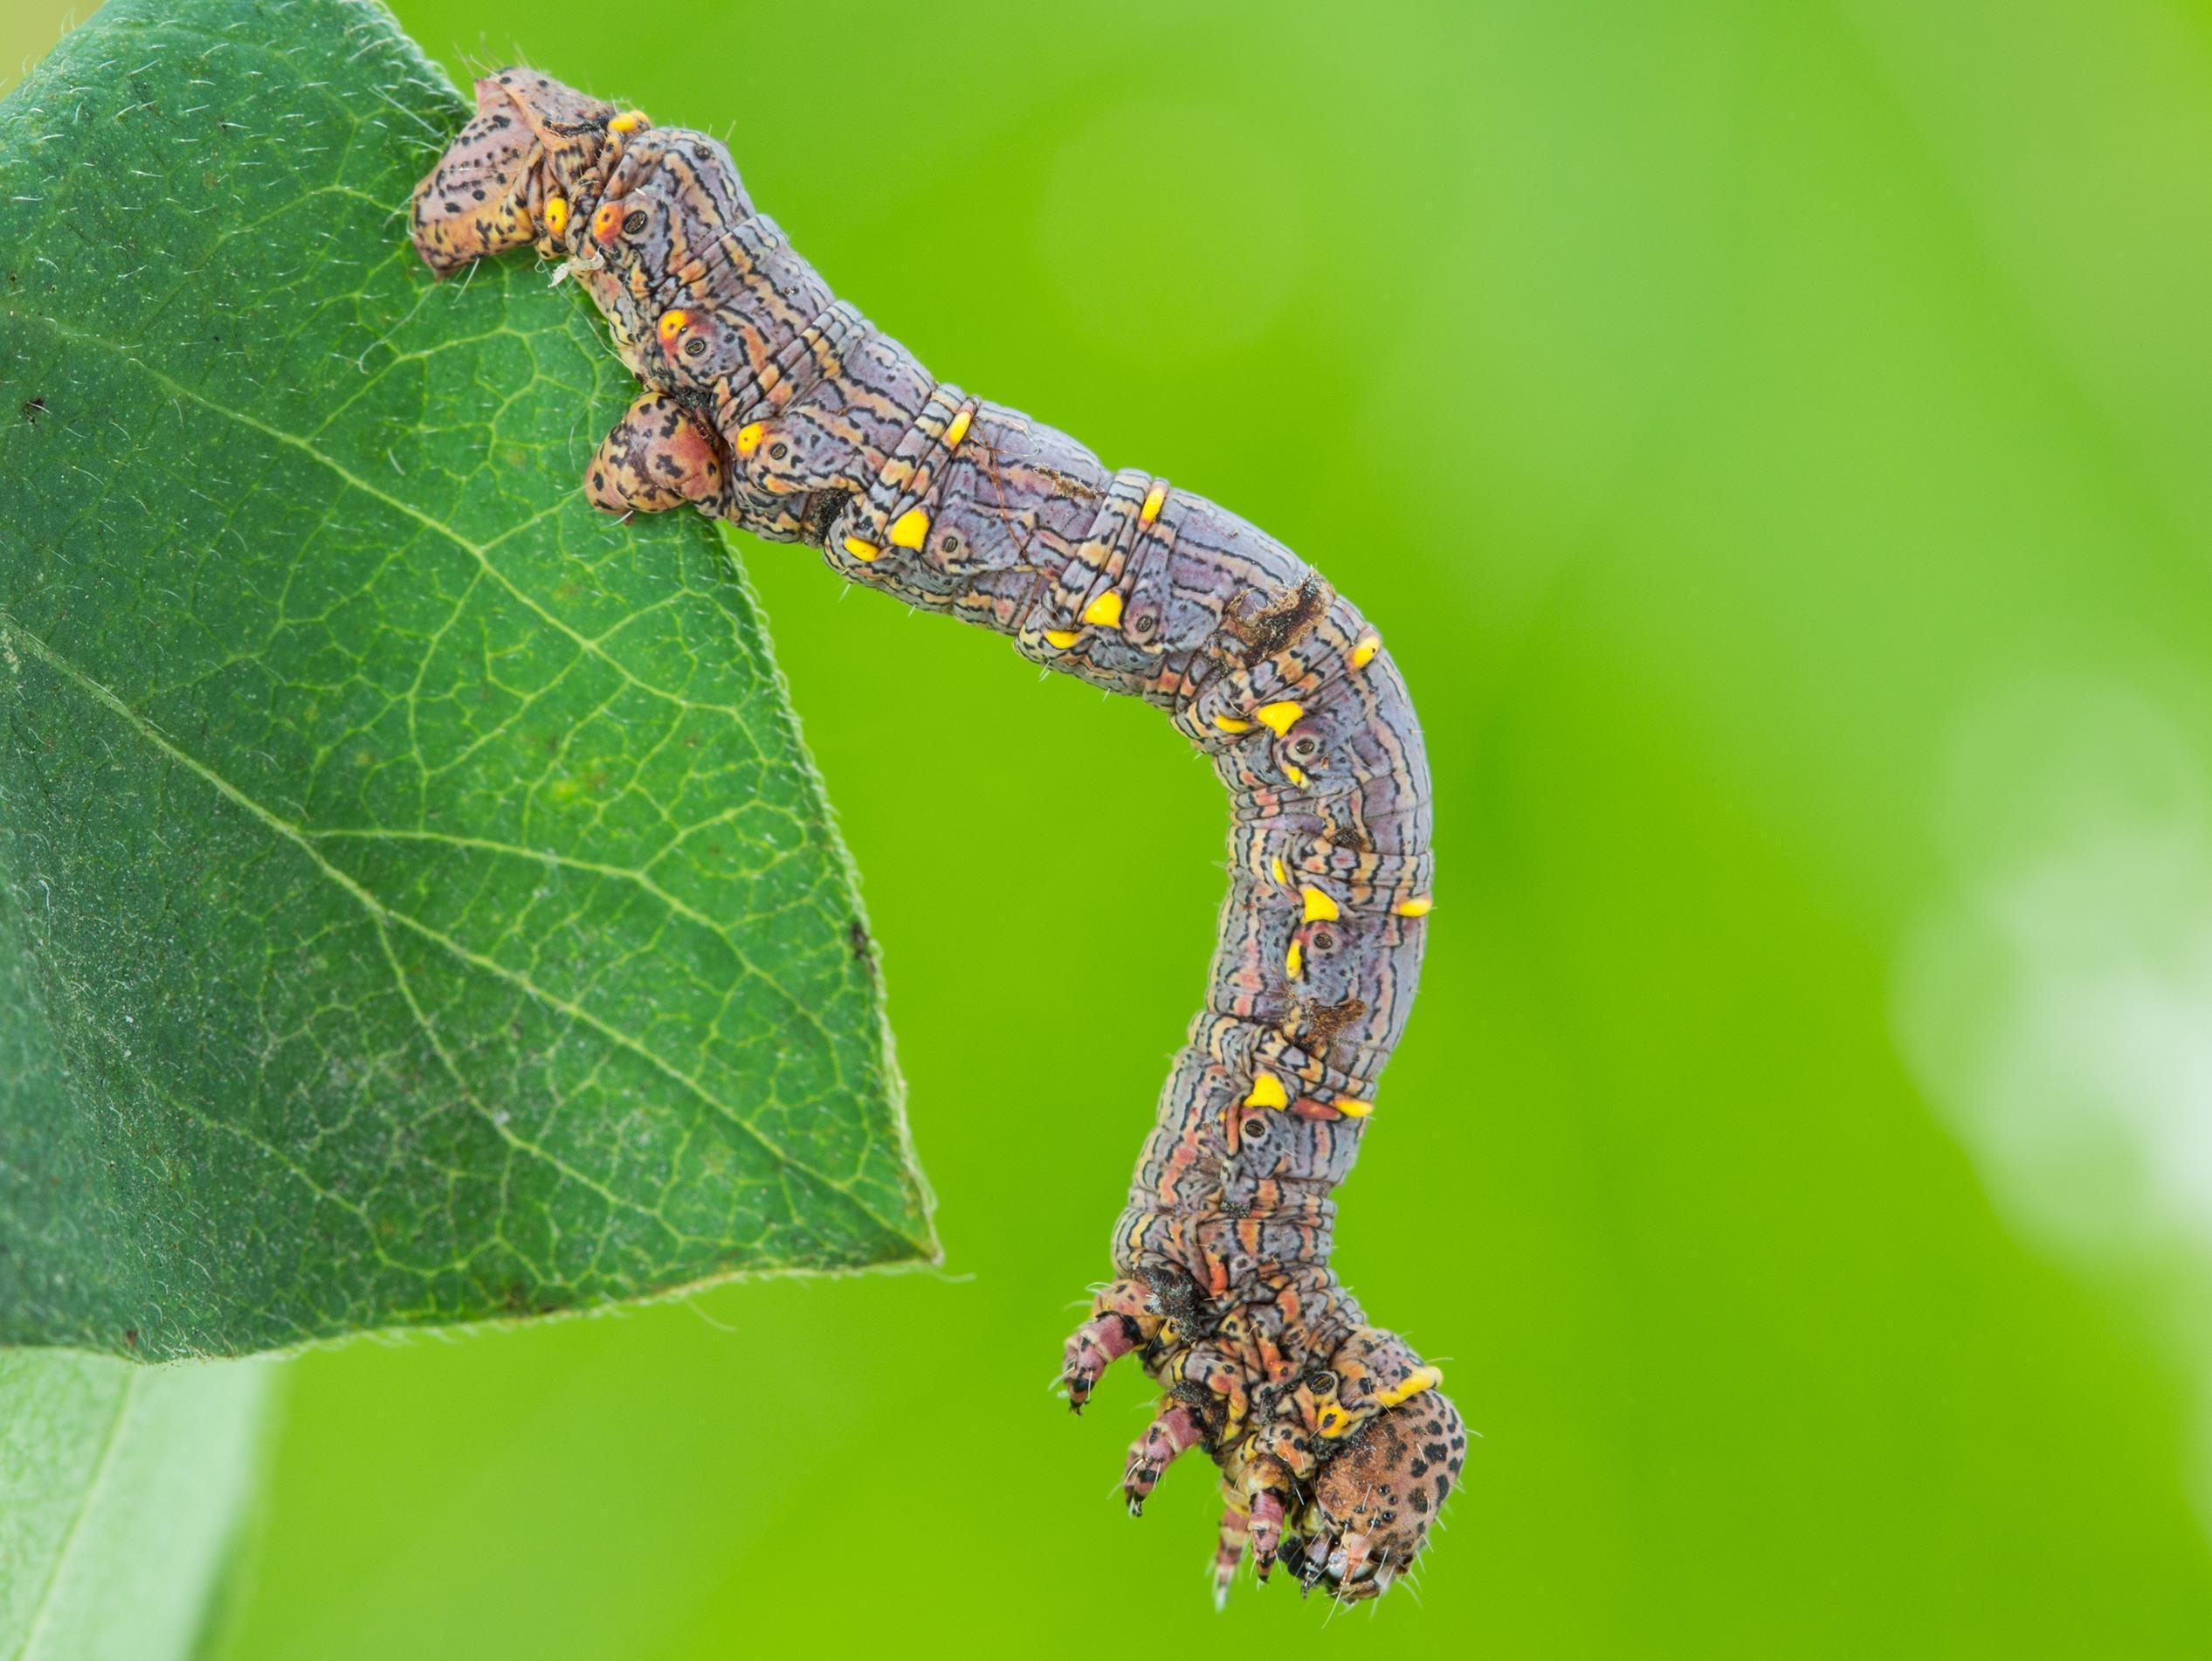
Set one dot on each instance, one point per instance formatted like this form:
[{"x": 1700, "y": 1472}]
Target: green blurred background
[{"x": 1772, "y": 437}]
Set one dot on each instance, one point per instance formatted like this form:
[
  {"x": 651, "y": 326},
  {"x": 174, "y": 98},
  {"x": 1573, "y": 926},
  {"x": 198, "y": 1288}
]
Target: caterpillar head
[
  {"x": 1373, "y": 1502},
  {"x": 534, "y": 149}
]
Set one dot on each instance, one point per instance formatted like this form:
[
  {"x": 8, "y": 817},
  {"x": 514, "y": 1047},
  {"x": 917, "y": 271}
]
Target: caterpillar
[{"x": 768, "y": 401}]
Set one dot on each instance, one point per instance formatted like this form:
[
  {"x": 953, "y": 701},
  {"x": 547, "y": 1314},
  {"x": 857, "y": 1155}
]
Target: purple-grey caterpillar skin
[{"x": 768, "y": 402}]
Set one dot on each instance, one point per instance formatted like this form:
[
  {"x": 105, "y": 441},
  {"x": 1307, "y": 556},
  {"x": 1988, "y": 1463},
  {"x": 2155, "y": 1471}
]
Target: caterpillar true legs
[{"x": 768, "y": 402}]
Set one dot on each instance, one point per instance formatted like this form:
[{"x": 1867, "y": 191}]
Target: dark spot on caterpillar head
[
  {"x": 778, "y": 450},
  {"x": 598, "y": 480},
  {"x": 1420, "y": 1499},
  {"x": 478, "y": 194},
  {"x": 1324, "y": 940},
  {"x": 32, "y": 409},
  {"x": 695, "y": 347},
  {"x": 1434, "y": 1452},
  {"x": 949, "y": 541},
  {"x": 1255, "y": 1127},
  {"x": 634, "y": 223}
]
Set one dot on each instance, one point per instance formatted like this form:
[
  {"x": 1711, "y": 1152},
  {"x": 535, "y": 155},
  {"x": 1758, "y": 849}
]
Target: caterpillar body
[{"x": 768, "y": 401}]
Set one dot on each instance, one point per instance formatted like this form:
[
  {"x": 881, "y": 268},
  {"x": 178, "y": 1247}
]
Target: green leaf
[
  {"x": 123, "y": 1494},
  {"x": 415, "y": 902}
]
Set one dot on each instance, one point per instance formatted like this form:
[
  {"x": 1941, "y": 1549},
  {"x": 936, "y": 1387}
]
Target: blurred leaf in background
[
  {"x": 1771, "y": 438},
  {"x": 126, "y": 1493}
]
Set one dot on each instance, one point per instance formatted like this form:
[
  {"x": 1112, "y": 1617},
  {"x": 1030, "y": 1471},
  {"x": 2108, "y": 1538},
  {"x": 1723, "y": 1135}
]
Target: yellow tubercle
[
  {"x": 911, "y": 529},
  {"x": 1281, "y": 875},
  {"x": 1154, "y": 500},
  {"x": 1294, "y": 960},
  {"x": 860, "y": 550},
  {"x": 1062, "y": 638},
  {"x": 1105, "y": 611},
  {"x": 1320, "y": 908},
  {"x": 1230, "y": 724},
  {"x": 1282, "y": 716},
  {"x": 1363, "y": 654},
  {"x": 1292, "y": 774},
  {"x": 1331, "y": 1421},
  {"x": 1352, "y": 1107},
  {"x": 1421, "y": 1379},
  {"x": 1420, "y": 905},
  {"x": 958, "y": 431},
  {"x": 748, "y": 438},
  {"x": 556, "y": 214},
  {"x": 672, "y": 323},
  {"x": 1267, "y": 1091},
  {"x": 630, "y": 120}
]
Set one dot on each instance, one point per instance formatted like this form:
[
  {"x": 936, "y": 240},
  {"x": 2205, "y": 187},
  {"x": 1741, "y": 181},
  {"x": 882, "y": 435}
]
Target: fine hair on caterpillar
[{"x": 766, "y": 401}]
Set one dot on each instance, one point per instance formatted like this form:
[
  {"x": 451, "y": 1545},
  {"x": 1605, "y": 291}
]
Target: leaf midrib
[{"x": 384, "y": 915}]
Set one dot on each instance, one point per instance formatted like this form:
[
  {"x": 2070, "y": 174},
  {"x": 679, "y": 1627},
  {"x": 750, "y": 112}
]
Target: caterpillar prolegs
[{"x": 768, "y": 401}]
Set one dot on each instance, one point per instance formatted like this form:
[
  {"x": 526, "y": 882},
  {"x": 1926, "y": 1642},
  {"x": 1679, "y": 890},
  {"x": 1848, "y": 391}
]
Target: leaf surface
[{"x": 415, "y": 902}]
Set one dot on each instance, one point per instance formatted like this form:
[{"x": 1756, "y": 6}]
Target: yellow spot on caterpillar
[
  {"x": 1230, "y": 724},
  {"x": 1293, "y": 775},
  {"x": 1281, "y": 875},
  {"x": 629, "y": 121},
  {"x": 1267, "y": 1091},
  {"x": 1105, "y": 611},
  {"x": 748, "y": 438},
  {"x": 1320, "y": 908},
  {"x": 556, "y": 214},
  {"x": 1422, "y": 1378},
  {"x": 1352, "y": 1107},
  {"x": 1062, "y": 638},
  {"x": 911, "y": 529},
  {"x": 1294, "y": 960},
  {"x": 1280, "y": 716},
  {"x": 958, "y": 431},
  {"x": 1363, "y": 654},
  {"x": 673, "y": 323},
  {"x": 605, "y": 221},
  {"x": 860, "y": 550},
  {"x": 1420, "y": 905},
  {"x": 1171, "y": 1330},
  {"x": 1154, "y": 500},
  {"x": 1332, "y": 1421}
]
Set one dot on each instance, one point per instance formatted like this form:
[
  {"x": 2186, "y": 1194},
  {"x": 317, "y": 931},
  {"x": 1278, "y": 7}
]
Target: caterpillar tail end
[
  {"x": 1373, "y": 1503},
  {"x": 1337, "y": 1478}
]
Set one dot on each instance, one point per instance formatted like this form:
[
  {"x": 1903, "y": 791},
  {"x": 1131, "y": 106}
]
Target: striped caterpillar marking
[{"x": 769, "y": 401}]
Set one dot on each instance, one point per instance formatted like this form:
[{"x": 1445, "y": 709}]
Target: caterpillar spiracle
[{"x": 768, "y": 401}]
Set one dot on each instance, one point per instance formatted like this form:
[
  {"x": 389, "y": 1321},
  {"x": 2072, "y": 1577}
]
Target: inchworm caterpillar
[{"x": 768, "y": 402}]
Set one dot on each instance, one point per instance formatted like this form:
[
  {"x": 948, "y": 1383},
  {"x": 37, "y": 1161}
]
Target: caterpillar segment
[{"x": 768, "y": 402}]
